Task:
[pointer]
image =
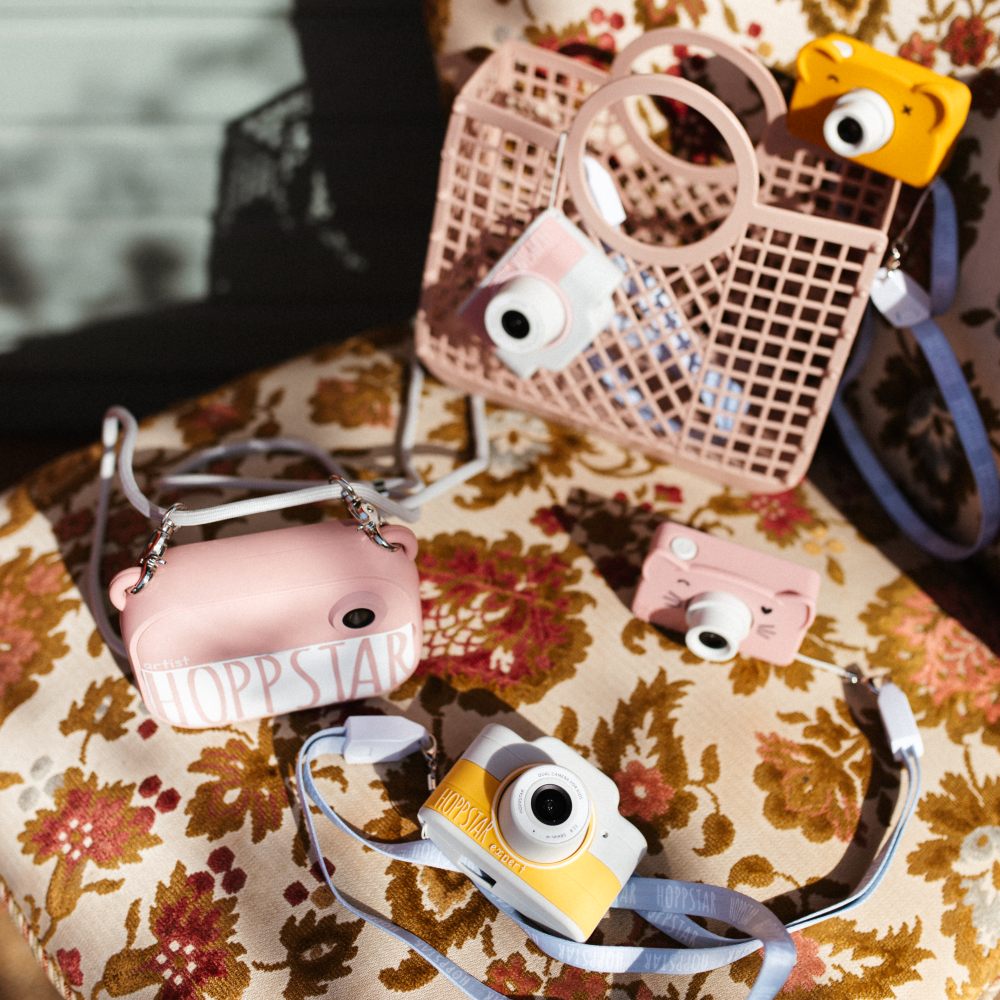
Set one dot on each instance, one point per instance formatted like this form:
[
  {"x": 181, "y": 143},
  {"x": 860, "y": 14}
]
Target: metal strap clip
[
  {"x": 366, "y": 514},
  {"x": 152, "y": 556},
  {"x": 894, "y": 258}
]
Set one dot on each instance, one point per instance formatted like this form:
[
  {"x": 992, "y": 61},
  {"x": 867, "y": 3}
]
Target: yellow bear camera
[{"x": 881, "y": 111}]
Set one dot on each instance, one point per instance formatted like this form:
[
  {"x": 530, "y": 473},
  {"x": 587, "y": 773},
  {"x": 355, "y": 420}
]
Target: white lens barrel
[
  {"x": 861, "y": 122},
  {"x": 527, "y": 826},
  {"x": 525, "y": 314},
  {"x": 717, "y": 623}
]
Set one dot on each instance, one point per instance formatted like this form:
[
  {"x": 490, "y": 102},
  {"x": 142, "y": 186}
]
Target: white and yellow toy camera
[{"x": 537, "y": 825}]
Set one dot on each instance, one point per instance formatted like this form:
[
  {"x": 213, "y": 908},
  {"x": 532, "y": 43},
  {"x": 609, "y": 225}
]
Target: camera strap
[
  {"x": 667, "y": 904},
  {"x": 908, "y": 306},
  {"x": 402, "y": 497}
]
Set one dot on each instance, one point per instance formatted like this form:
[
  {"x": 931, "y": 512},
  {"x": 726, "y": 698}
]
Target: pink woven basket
[{"x": 743, "y": 283}]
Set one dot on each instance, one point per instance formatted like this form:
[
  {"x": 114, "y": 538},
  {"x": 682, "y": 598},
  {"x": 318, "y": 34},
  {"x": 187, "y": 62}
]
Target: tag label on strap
[{"x": 899, "y": 298}]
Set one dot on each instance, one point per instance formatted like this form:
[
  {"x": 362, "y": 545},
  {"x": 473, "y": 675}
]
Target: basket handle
[
  {"x": 707, "y": 104},
  {"x": 750, "y": 66}
]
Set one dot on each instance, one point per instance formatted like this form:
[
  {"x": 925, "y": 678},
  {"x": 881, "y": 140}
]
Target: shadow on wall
[{"x": 324, "y": 204}]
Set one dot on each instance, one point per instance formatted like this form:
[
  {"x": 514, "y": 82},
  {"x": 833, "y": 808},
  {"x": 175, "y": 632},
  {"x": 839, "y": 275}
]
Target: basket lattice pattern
[{"x": 728, "y": 365}]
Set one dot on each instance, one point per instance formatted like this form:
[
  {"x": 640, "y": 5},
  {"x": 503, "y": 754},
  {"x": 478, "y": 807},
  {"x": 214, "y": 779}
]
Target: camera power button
[{"x": 683, "y": 547}]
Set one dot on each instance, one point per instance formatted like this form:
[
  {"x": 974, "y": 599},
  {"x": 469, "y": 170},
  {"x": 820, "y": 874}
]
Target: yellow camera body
[
  {"x": 883, "y": 112},
  {"x": 538, "y": 826}
]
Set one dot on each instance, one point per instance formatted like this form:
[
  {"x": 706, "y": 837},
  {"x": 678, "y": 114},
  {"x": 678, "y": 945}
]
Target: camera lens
[
  {"x": 551, "y": 805},
  {"x": 544, "y": 813},
  {"x": 515, "y": 324},
  {"x": 717, "y": 622},
  {"x": 861, "y": 121},
  {"x": 712, "y": 640},
  {"x": 525, "y": 314},
  {"x": 359, "y": 618},
  {"x": 850, "y": 130}
]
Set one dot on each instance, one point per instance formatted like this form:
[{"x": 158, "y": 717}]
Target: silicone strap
[
  {"x": 660, "y": 898},
  {"x": 687, "y": 931},
  {"x": 119, "y": 422},
  {"x": 954, "y": 390}
]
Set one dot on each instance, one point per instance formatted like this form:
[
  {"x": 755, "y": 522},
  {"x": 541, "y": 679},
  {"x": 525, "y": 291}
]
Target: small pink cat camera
[
  {"x": 547, "y": 298},
  {"x": 257, "y": 625},
  {"x": 724, "y": 597}
]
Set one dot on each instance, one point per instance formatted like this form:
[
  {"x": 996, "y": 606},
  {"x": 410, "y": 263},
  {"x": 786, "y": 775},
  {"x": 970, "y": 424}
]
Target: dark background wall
[{"x": 189, "y": 190}]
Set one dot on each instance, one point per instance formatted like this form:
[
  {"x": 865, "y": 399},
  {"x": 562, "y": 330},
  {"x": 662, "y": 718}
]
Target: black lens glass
[
  {"x": 551, "y": 805},
  {"x": 712, "y": 640},
  {"x": 850, "y": 130},
  {"x": 359, "y": 618},
  {"x": 515, "y": 324}
]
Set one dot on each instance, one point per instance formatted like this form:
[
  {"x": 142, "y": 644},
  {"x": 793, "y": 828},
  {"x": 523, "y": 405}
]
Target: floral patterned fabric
[
  {"x": 896, "y": 397},
  {"x": 145, "y": 861}
]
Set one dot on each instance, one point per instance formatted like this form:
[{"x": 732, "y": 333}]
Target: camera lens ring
[
  {"x": 717, "y": 622},
  {"x": 346, "y": 624},
  {"x": 537, "y": 302},
  {"x": 861, "y": 121},
  {"x": 530, "y": 836}
]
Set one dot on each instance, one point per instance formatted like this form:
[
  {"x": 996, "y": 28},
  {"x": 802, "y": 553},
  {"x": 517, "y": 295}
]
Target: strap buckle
[
  {"x": 365, "y": 513},
  {"x": 156, "y": 545},
  {"x": 430, "y": 752},
  {"x": 894, "y": 258}
]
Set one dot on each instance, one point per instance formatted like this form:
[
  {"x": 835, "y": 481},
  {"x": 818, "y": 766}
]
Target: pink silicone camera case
[
  {"x": 239, "y": 628},
  {"x": 683, "y": 563}
]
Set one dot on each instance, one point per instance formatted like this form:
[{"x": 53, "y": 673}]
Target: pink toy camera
[
  {"x": 724, "y": 597},
  {"x": 262, "y": 624},
  {"x": 547, "y": 298}
]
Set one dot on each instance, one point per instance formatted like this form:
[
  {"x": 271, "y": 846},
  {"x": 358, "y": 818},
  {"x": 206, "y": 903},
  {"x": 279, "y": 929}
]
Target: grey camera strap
[{"x": 665, "y": 903}]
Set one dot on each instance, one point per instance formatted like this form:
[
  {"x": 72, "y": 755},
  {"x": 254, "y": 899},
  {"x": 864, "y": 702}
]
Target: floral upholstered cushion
[
  {"x": 145, "y": 861},
  {"x": 896, "y": 395}
]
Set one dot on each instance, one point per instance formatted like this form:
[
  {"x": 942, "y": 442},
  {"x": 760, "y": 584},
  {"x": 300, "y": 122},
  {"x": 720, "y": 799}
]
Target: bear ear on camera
[
  {"x": 791, "y": 599},
  {"x": 941, "y": 96},
  {"x": 816, "y": 57}
]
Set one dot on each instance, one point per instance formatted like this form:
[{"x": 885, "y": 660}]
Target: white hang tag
[
  {"x": 899, "y": 298},
  {"x": 603, "y": 191}
]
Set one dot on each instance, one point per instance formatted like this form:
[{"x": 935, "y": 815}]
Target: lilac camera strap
[
  {"x": 955, "y": 391},
  {"x": 672, "y": 898},
  {"x": 665, "y": 903}
]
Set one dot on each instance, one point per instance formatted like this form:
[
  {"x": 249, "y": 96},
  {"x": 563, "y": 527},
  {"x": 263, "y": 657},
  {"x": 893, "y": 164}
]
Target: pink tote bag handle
[
  {"x": 775, "y": 106},
  {"x": 729, "y": 127}
]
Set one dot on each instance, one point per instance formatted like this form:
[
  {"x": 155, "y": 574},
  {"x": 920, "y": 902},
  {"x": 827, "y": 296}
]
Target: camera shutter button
[{"x": 683, "y": 547}]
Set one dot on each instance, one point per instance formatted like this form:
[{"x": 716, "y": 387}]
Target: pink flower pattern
[{"x": 644, "y": 791}]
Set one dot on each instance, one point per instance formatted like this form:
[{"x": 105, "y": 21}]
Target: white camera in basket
[
  {"x": 538, "y": 826},
  {"x": 547, "y": 298}
]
